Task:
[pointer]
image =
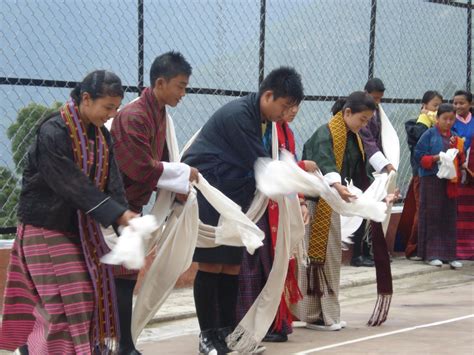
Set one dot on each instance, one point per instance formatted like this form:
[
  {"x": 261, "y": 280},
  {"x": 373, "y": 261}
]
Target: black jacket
[
  {"x": 225, "y": 152},
  {"x": 54, "y": 188},
  {"x": 414, "y": 132}
]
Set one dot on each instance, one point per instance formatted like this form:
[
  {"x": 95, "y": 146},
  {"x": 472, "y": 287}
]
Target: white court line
[{"x": 309, "y": 351}]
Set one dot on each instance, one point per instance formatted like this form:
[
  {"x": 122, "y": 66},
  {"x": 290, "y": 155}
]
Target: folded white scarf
[
  {"x": 446, "y": 168},
  {"x": 286, "y": 178},
  {"x": 129, "y": 249}
]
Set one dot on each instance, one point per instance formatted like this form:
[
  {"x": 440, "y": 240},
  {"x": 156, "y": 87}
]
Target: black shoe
[
  {"x": 221, "y": 344},
  {"x": 369, "y": 261},
  {"x": 23, "y": 350},
  {"x": 362, "y": 261},
  {"x": 207, "y": 340},
  {"x": 275, "y": 337}
]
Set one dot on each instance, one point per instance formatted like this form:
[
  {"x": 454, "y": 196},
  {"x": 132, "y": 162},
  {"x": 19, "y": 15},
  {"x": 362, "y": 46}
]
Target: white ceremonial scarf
[
  {"x": 252, "y": 328},
  {"x": 180, "y": 245},
  {"x": 391, "y": 150},
  {"x": 181, "y": 234},
  {"x": 390, "y": 141},
  {"x": 287, "y": 177},
  {"x": 280, "y": 180},
  {"x": 176, "y": 240}
]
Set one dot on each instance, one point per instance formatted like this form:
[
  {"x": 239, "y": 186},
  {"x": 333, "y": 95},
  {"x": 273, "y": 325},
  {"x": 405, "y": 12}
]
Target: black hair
[
  {"x": 284, "y": 82},
  {"x": 464, "y": 93},
  {"x": 99, "y": 83},
  {"x": 168, "y": 66},
  {"x": 430, "y": 95},
  {"x": 443, "y": 108},
  {"x": 358, "y": 101},
  {"x": 374, "y": 84}
]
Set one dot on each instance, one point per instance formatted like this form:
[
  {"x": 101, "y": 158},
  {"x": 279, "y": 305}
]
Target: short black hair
[
  {"x": 284, "y": 82},
  {"x": 358, "y": 101},
  {"x": 99, "y": 83},
  {"x": 464, "y": 93},
  {"x": 443, "y": 108},
  {"x": 374, "y": 84},
  {"x": 430, "y": 95},
  {"x": 168, "y": 66}
]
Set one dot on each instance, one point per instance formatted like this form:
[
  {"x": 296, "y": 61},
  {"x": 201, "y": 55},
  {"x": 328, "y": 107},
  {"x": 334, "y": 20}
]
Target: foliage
[
  {"x": 9, "y": 195},
  {"x": 22, "y": 132}
]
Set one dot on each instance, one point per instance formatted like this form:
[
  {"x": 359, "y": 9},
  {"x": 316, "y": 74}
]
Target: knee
[
  {"x": 212, "y": 268},
  {"x": 231, "y": 269}
]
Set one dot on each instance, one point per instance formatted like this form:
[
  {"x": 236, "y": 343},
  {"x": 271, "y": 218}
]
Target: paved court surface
[{"x": 430, "y": 314}]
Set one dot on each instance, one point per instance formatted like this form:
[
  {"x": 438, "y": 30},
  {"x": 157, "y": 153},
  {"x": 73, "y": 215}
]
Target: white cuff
[
  {"x": 332, "y": 178},
  {"x": 175, "y": 177},
  {"x": 378, "y": 161}
]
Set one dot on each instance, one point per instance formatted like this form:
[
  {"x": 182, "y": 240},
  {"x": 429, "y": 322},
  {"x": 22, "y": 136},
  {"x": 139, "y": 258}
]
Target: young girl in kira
[
  {"x": 437, "y": 214},
  {"x": 408, "y": 226}
]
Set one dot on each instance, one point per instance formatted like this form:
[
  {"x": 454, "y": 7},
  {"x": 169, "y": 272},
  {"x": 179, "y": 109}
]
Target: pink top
[{"x": 464, "y": 120}]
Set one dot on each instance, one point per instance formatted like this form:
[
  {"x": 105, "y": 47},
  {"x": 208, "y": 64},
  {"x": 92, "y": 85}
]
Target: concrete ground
[{"x": 432, "y": 312}]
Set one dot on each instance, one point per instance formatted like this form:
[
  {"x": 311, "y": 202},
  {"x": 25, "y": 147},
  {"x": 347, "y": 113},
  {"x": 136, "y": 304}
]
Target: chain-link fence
[{"x": 47, "y": 46}]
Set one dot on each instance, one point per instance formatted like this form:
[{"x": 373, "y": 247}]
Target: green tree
[
  {"x": 9, "y": 195},
  {"x": 22, "y": 132}
]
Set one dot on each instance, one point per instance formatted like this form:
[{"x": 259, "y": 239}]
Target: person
[
  {"x": 225, "y": 152},
  {"x": 338, "y": 150},
  {"x": 464, "y": 127},
  {"x": 59, "y": 298},
  {"x": 437, "y": 213},
  {"x": 379, "y": 161},
  {"x": 139, "y": 133},
  {"x": 255, "y": 268},
  {"x": 408, "y": 226}
]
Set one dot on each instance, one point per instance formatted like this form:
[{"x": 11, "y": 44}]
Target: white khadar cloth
[
  {"x": 391, "y": 150},
  {"x": 279, "y": 179},
  {"x": 252, "y": 328},
  {"x": 176, "y": 240},
  {"x": 446, "y": 168}
]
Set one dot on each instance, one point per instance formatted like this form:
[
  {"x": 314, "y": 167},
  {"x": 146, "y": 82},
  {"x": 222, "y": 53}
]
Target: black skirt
[{"x": 220, "y": 255}]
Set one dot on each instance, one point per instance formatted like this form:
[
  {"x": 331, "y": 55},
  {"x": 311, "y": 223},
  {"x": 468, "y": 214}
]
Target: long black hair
[
  {"x": 430, "y": 95},
  {"x": 358, "y": 101},
  {"x": 99, "y": 83}
]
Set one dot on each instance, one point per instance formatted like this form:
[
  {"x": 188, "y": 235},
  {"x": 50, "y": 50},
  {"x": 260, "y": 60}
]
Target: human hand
[
  {"x": 344, "y": 192},
  {"x": 126, "y": 217},
  {"x": 389, "y": 168},
  {"x": 391, "y": 198},
  {"x": 194, "y": 175},
  {"x": 470, "y": 171},
  {"x": 305, "y": 214},
  {"x": 310, "y": 166},
  {"x": 182, "y": 198}
]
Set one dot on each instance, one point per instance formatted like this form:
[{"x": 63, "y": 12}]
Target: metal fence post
[
  {"x": 140, "y": 45},
  {"x": 373, "y": 15},
  {"x": 469, "y": 45},
  {"x": 261, "y": 54}
]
